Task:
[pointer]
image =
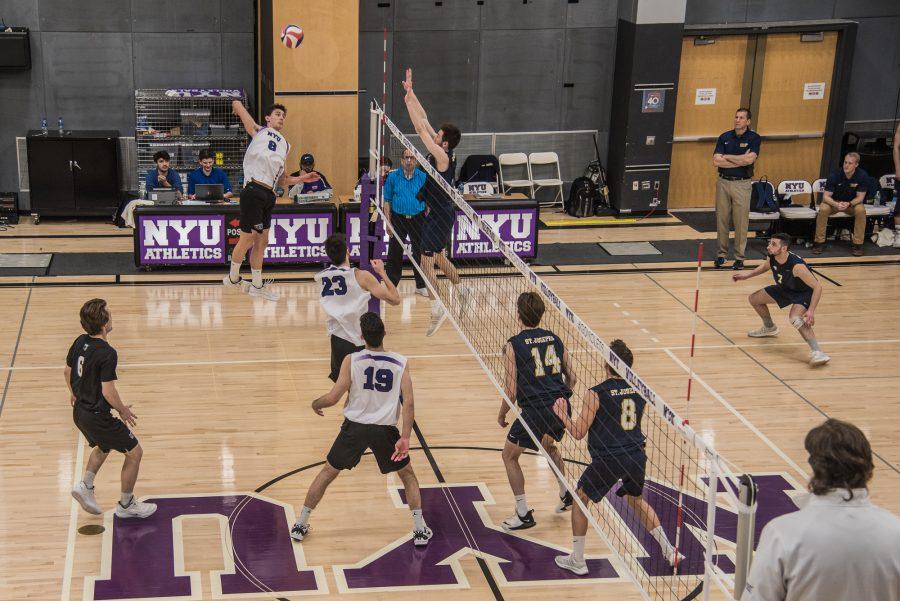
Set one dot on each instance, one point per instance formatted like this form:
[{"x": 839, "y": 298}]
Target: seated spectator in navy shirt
[
  {"x": 308, "y": 165},
  {"x": 162, "y": 176},
  {"x": 845, "y": 192},
  {"x": 207, "y": 174}
]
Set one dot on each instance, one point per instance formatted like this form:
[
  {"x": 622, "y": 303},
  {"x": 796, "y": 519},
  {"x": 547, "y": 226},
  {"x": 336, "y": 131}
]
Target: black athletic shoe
[
  {"x": 519, "y": 522},
  {"x": 738, "y": 265},
  {"x": 421, "y": 537},
  {"x": 720, "y": 262},
  {"x": 565, "y": 503}
]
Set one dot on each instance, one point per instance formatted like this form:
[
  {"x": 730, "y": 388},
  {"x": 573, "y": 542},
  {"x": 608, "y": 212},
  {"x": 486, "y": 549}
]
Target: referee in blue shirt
[
  {"x": 406, "y": 214},
  {"x": 207, "y": 174}
]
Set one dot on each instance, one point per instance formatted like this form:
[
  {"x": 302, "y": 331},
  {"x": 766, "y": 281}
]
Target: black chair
[{"x": 479, "y": 168}]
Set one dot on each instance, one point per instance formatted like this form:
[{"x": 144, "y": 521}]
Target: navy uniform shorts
[
  {"x": 603, "y": 473},
  {"x": 541, "y": 420},
  {"x": 784, "y": 296}
]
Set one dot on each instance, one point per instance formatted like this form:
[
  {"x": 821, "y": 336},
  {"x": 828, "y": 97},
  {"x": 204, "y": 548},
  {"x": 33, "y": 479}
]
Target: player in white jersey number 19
[{"x": 263, "y": 172}]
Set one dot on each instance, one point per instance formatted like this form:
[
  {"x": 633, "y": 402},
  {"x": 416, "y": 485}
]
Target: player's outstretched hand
[
  {"x": 378, "y": 267},
  {"x": 408, "y": 83},
  {"x": 561, "y": 408},
  {"x": 739, "y": 277},
  {"x": 128, "y": 416},
  {"x": 501, "y": 419},
  {"x": 234, "y": 106},
  {"x": 401, "y": 450},
  {"x": 317, "y": 410}
]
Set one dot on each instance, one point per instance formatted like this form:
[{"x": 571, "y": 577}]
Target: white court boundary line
[
  {"x": 660, "y": 349},
  {"x": 73, "y": 520}
]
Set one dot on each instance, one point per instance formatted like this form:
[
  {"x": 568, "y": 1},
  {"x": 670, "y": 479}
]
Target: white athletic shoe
[
  {"x": 437, "y": 319},
  {"x": 229, "y": 284},
  {"x": 817, "y": 358},
  {"x": 897, "y": 236},
  {"x": 267, "y": 291},
  {"x": 565, "y": 503},
  {"x": 568, "y": 562},
  {"x": 85, "y": 498},
  {"x": 669, "y": 554},
  {"x": 299, "y": 532},
  {"x": 519, "y": 522},
  {"x": 422, "y": 292},
  {"x": 135, "y": 509},
  {"x": 464, "y": 298},
  {"x": 421, "y": 537},
  {"x": 763, "y": 332}
]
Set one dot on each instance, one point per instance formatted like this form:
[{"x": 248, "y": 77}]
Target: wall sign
[
  {"x": 814, "y": 91},
  {"x": 705, "y": 96}
]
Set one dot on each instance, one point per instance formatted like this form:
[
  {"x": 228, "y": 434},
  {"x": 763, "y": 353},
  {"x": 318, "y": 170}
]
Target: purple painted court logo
[
  {"x": 145, "y": 558},
  {"x": 174, "y": 239}
]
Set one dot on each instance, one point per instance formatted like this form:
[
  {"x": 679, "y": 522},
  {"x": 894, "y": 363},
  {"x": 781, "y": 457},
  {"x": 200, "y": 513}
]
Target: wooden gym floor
[{"x": 219, "y": 417}]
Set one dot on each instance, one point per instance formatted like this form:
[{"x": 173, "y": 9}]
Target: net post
[
  {"x": 711, "y": 494},
  {"x": 745, "y": 532}
]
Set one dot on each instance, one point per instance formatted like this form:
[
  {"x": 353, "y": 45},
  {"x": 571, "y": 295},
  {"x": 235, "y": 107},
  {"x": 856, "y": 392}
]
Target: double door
[
  {"x": 72, "y": 175},
  {"x": 784, "y": 78}
]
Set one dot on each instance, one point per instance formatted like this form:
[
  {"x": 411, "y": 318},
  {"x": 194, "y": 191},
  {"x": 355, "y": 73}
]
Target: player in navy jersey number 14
[
  {"x": 795, "y": 285},
  {"x": 610, "y": 417},
  {"x": 263, "y": 172}
]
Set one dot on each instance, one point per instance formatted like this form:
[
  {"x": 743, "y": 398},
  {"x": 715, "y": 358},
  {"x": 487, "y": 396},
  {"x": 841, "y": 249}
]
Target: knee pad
[{"x": 798, "y": 322}]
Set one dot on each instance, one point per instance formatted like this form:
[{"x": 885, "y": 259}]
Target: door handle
[{"x": 77, "y": 166}]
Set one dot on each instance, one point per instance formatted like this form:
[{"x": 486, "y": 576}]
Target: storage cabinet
[{"x": 74, "y": 175}]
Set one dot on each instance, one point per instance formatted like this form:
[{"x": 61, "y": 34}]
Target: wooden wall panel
[
  {"x": 789, "y": 159},
  {"x": 326, "y": 126},
  {"x": 692, "y": 180}
]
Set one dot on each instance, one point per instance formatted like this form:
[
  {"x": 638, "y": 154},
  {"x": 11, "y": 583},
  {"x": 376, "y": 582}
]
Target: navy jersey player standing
[
  {"x": 91, "y": 377},
  {"x": 538, "y": 371},
  {"x": 610, "y": 417},
  {"x": 795, "y": 285}
]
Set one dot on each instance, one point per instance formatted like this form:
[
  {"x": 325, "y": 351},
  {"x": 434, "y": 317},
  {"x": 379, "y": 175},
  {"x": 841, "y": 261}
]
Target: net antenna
[{"x": 686, "y": 476}]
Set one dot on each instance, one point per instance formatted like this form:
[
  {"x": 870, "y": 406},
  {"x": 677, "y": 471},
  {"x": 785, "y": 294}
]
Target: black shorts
[
  {"x": 257, "y": 203},
  {"x": 353, "y": 440},
  {"x": 541, "y": 420},
  {"x": 103, "y": 430},
  {"x": 340, "y": 348},
  {"x": 784, "y": 297},
  {"x": 603, "y": 473},
  {"x": 436, "y": 230}
]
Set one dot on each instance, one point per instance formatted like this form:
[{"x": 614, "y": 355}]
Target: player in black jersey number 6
[{"x": 795, "y": 285}]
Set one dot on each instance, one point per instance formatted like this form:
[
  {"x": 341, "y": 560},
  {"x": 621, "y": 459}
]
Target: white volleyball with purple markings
[{"x": 291, "y": 36}]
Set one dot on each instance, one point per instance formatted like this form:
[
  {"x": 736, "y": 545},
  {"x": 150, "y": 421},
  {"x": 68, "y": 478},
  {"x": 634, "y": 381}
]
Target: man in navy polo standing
[{"x": 736, "y": 151}]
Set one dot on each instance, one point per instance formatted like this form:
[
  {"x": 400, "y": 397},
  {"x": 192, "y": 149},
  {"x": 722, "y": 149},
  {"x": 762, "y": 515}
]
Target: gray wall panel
[
  {"x": 89, "y": 15},
  {"x": 592, "y": 13},
  {"x": 21, "y": 13},
  {"x": 420, "y": 15},
  {"x": 376, "y": 18},
  {"x": 792, "y": 10},
  {"x": 589, "y": 64},
  {"x": 514, "y": 14},
  {"x": 876, "y": 70},
  {"x": 237, "y": 62},
  {"x": 22, "y": 94},
  {"x": 520, "y": 82},
  {"x": 174, "y": 15},
  {"x": 869, "y": 8},
  {"x": 444, "y": 79},
  {"x": 371, "y": 75},
  {"x": 179, "y": 60},
  {"x": 238, "y": 16},
  {"x": 715, "y": 11},
  {"x": 89, "y": 79}
]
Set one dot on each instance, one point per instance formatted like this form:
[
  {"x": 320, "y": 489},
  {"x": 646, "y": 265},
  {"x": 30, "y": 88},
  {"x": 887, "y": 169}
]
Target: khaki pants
[
  {"x": 858, "y": 212},
  {"x": 732, "y": 208}
]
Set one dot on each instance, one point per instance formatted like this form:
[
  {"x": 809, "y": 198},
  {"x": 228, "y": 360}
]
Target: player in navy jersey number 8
[
  {"x": 263, "y": 172},
  {"x": 538, "y": 371},
  {"x": 91, "y": 377},
  {"x": 610, "y": 417},
  {"x": 795, "y": 285},
  {"x": 345, "y": 294}
]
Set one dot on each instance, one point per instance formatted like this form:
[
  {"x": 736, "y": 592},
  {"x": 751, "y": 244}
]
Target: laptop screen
[{"x": 209, "y": 191}]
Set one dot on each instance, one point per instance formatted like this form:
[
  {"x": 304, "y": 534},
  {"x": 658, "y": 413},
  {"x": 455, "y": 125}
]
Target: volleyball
[{"x": 291, "y": 36}]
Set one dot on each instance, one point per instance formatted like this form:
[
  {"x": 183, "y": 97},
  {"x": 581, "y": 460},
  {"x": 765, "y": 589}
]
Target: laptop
[
  {"x": 210, "y": 192},
  {"x": 164, "y": 196}
]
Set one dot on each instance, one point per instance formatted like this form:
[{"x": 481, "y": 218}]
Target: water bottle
[
  {"x": 60, "y": 123},
  {"x": 43, "y": 126}
]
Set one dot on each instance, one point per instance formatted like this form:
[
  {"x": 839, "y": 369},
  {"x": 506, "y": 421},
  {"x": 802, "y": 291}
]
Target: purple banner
[
  {"x": 352, "y": 230},
  {"x": 181, "y": 239},
  {"x": 299, "y": 237},
  {"x": 516, "y": 227}
]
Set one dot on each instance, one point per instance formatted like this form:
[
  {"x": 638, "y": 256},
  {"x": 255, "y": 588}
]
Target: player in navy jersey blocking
[
  {"x": 795, "y": 285},
  {"x": 263, "y": 172},
  {"x": 91, "y": 377},
  {"x": 538, "y": 371},
  {"x": 611, "y": 419},
  {"x": 374, "y": 379},
  {"x": 345, "y": 294}
]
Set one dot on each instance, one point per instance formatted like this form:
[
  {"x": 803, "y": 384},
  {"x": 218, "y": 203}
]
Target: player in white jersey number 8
[{"x": 263, "y": 172}]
